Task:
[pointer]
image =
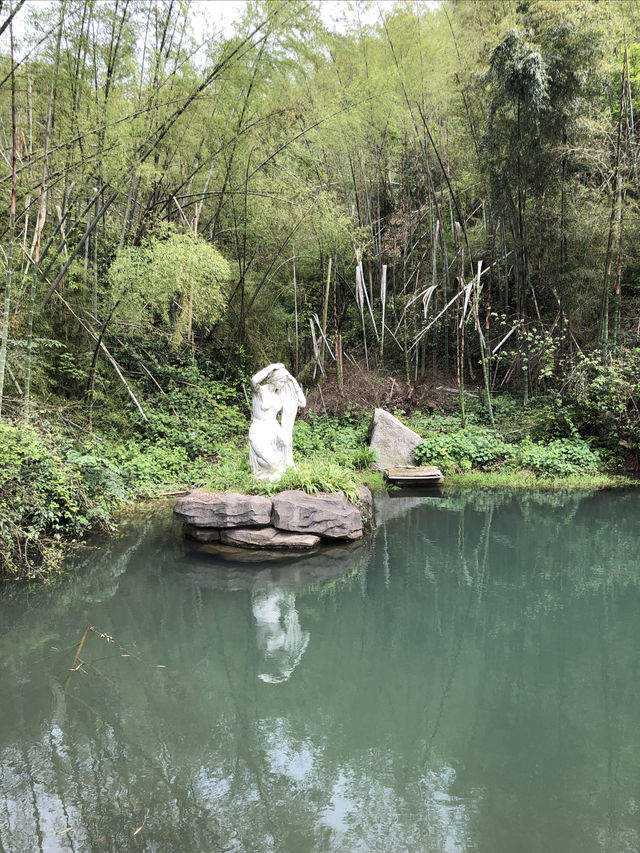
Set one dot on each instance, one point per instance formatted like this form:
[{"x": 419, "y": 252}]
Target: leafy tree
[{"x": 176, "y": 280}]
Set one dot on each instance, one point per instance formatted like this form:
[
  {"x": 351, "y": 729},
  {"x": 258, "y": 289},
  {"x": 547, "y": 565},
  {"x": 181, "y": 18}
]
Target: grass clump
[
  {"x": 526, "y": 480},
  {"x": 313, "y": 475}
]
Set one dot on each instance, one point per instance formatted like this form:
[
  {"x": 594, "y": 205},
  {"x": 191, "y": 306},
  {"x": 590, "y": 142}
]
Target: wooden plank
[{"x": 427, "y": 474}]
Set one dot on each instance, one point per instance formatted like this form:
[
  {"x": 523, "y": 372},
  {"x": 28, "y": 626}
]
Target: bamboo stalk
[
  {"x": 4, "y": 334},
  {"x": 383, "y": 300},
  {"x": 325, "y": 308},
  {"x": 618, "y": 290},
  {"x": 295, "y": 310},
  {"x": 604, "y": 336},
  {"x": 337, "y": 337}
]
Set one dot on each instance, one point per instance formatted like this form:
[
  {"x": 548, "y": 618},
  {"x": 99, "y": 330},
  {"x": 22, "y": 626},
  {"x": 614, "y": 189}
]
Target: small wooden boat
[{"x": 427, "y": 475}]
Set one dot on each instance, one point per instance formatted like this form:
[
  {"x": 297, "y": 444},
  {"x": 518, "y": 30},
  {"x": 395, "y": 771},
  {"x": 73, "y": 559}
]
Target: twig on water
[
  {"x": 74, "y": 665},
  {"x": 142, "y": 824}
]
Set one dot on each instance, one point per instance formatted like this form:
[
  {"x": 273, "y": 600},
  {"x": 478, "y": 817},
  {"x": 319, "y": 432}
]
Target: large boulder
[
  {"x": 223, "y": 509},
  {"x": 392, "y": 441},
  {"x": 269, "y": 537},
  {"x": 326, "y": 515}
]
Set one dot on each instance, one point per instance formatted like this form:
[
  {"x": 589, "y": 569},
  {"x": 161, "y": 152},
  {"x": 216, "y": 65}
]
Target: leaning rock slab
[
  {"x": 269, "y": 537},
  {"x": 392, "y": 441},
  {"x": 325, "y": 515},
  {"x": 223, "y": 509}
]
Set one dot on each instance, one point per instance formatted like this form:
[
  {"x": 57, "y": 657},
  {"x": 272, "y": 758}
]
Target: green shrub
[
  {"x": 196, "y": 413},
  {"x": 144, "y": 466},
  {"x": 606, "y": 397},
  {"x": 343, "y": 439},
  {"x": 46, "y": 493},
  {"x": 169, "y": 270},
  {"x": 562, "y": 457},
  {"x": 462, "y": 450},
  {"x": 486, "y": 449}
]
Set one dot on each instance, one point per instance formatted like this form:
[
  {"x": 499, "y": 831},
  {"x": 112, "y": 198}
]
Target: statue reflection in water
[{"x": 280, "y": 639}]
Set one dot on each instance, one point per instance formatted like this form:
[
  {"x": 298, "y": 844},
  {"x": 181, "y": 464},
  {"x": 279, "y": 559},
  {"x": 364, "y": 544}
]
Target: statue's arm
[{"x": 301, "y": 399}]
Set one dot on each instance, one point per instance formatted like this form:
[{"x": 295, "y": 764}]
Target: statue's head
[{"x": 279, "y": 378}]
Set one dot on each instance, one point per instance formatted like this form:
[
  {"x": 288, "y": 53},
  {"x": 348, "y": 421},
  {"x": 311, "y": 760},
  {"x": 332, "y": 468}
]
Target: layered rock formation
[{"x": 290, "y": 521}]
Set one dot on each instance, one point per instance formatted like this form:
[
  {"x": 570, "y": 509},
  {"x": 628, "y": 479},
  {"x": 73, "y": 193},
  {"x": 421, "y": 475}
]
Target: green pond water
[{"x": 466, "y": 680}]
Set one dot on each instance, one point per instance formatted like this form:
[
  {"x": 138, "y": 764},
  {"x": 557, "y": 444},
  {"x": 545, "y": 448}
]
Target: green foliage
[
  {"x": 47, "y": 491},
  {"x": 321, "y": 475},
  {"x": 473, "y": 447},
  {"x": 173, "y": 278},
  {"x": 189, "y": 420},
  {"x": 485, "y": 449},
  {"x": 606, "y": 397},
  {"x": 312, "y": 475},
  {"x": 197, "y": 418},
  {"x": 559, "y": 458},
  {"x": 53, "y": 488},
  {"x": 231, "y": 473},
  {"x": 342, "y": 439}
]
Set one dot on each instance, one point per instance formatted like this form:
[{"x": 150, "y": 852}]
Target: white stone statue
[{"x": 275, "y": 392}]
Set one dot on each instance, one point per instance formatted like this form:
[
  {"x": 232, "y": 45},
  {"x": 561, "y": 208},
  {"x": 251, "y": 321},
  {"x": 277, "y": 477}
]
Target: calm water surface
[{"x": 468, "y": 680}]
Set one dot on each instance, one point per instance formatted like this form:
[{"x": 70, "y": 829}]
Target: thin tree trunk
[
  {"x": 383, "y": 300},
  {"x": 483, "y": 343},
  {"x": 337, "y": 337},
  {"x": 609, "y": 255},
  {"x": 460, "y": 328},
  {"x": 325, "y": 309},
  {"x": 4, "y": 332},
  {"x": 616, "y": 327},
  {"x": 295, "y": 311}
]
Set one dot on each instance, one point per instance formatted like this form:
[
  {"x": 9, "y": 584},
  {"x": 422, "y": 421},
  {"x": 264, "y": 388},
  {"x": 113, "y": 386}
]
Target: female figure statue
[{"x": 275, "y": 392}]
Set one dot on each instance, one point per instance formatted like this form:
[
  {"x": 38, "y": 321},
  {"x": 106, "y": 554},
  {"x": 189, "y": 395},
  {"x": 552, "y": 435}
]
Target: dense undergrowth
[
  {"x": 475, "y": 447},
  {"x": 57, "y": 484}
]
